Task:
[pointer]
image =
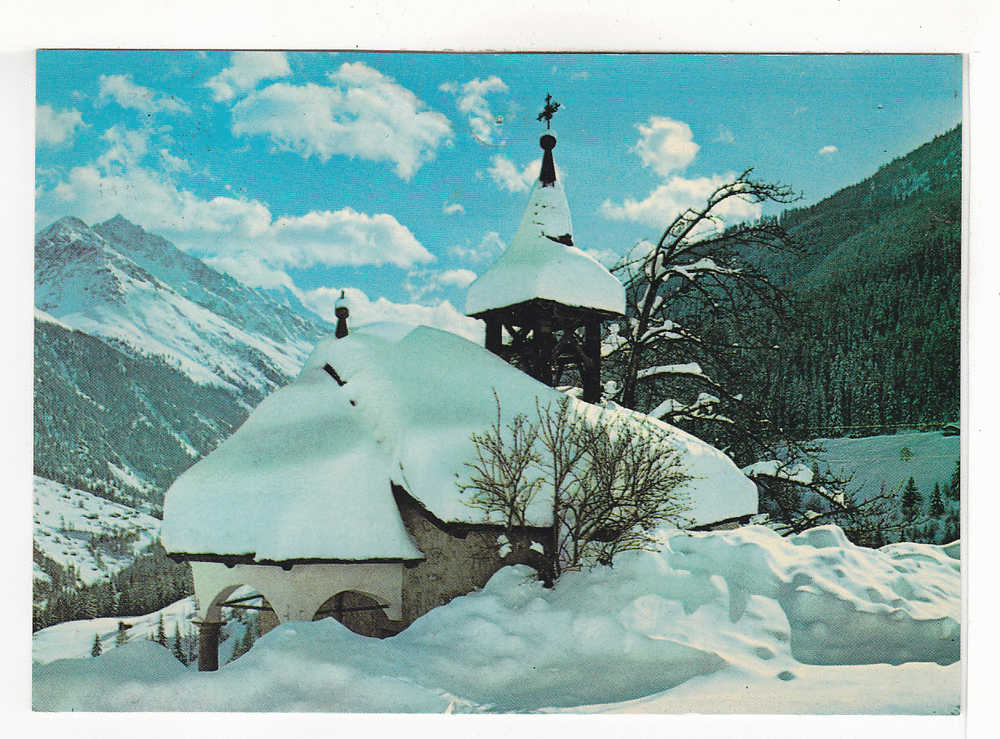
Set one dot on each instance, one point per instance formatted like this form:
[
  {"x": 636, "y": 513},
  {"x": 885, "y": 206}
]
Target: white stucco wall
[{"x": 298, "y": 593}]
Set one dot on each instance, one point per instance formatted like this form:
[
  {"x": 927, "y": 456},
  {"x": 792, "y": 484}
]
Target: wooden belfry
[{"x": 551, "y": 323}]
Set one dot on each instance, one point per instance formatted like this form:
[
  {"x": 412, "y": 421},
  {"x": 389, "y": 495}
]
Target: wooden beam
[
  {"x": 244, "y": 598},
  {"x": 351, "y": 609},
  {"x": 590, "y": 368}
]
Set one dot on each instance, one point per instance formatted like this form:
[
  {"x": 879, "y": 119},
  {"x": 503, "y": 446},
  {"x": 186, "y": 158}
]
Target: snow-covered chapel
[{"x": 339, "y": 495}]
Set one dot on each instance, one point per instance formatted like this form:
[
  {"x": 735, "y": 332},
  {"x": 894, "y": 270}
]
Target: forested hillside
[
  {"x": 874, "y": 344},
  {"x": 120, "y": 424}
]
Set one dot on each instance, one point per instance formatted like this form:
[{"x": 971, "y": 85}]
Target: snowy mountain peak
[{"x": 118, "y": 282}]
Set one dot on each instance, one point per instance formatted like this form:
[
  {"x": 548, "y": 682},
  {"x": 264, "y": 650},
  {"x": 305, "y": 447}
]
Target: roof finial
[
  {"x": 342, "y": 311},
  {"x": 548, "y": 111},
  {"x": 548, "y": 142}
]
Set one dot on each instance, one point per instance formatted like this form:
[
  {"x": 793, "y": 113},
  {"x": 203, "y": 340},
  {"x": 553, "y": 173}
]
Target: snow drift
[{"x": 711, "y": 615}]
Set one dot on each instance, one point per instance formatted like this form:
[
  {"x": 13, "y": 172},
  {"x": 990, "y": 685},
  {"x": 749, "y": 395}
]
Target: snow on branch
[
  {"x": 704, "y": 408},
  {"x": 796, "y": 472},
  {"x": 689, "y": 368}
]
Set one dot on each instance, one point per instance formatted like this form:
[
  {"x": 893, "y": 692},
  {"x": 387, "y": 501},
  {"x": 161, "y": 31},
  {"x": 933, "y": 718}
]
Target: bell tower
[{"x": 544, "y": 299}]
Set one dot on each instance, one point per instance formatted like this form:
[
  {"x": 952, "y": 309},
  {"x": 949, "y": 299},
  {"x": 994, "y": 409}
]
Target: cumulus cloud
[
  {"x": 251, "y": 270},
  {"x": 489, "y": 247},
  {"x": 242, "y": 234},
  {"x": 361, "y": 113},
  {"x": 54, "y": 127},
  {"x": 471, "y": 100},
  {"x": 121, "y": 89},
  {"x": 827, "y": 150},
  {"x": 126, "y": 148},
  {"x": 509, "y": 177},
  {"x": 344, "y": 237},
  {"x": 457, "y": 277},
  {"x": 665, "y": 145},
  {"x": 451, "y": 209},
  {"x": 677, "y": 194},
  {"x": 245, "y": 70},
  {"x": 364, "y": 310}
]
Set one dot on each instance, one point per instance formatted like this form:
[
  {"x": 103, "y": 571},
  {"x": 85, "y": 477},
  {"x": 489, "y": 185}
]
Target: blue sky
[{"x": 403, "y": 175}]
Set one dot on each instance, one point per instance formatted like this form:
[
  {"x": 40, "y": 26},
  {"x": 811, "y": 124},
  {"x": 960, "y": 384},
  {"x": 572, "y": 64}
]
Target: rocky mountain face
[{"x": 146, "y": 358}]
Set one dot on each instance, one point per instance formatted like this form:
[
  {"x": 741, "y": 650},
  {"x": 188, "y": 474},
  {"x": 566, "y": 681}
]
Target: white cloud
[
  {"x": 457, "y": 277},
  {"x": 251, "y": 270},
  {"x": 668, "y": 200},
  {"x": 245, "y": 70},
  {"x": 489, "y": 247},
  {"x": 364, "y": 310},
  {"x": 508, "y": 177},
  {"x": 172, "y": 163},
  {"x": 121, "y": 89},
  {"x": 241, "y": 230},
  {"x": 724, "y": 136},
  {"x": 607, "y": 257},
  {"x": 471, "y": 100},
  {"x": 126, "y": 148},
  {"x": 53, "y": 127},
  {"x": 665, "y": 145},
  {"x": 827, "y": 150},
  {"x": 451, "y": 209},
  {"x": 344, "y": 238},
  {"x": 363, "y": 113}
]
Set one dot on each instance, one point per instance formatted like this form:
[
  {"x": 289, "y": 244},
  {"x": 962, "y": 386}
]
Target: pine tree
[
  {"x": 955, "y": 488},
  {"x": 178, "y": 649},
  {"x": 122, "y": 636},
  {"x": 95, "y": 651},
  {"x": 937, "y": 505},
  {"x": 911, "y": 504},
  {"x": 161, "y": 633}
]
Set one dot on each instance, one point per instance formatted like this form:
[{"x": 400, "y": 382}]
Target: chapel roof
[{"x": 309, "y": 475}]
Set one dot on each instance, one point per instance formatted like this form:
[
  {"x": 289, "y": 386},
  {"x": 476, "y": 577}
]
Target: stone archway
[{"x": 360, "y": 612}]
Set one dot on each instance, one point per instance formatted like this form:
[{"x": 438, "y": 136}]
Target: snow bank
[
  {"x": 716, "y": 622},
  {"x": 308, "y": 474},
  {"x": 844, "y": 604},
  {"x": 538, "y": 264}
]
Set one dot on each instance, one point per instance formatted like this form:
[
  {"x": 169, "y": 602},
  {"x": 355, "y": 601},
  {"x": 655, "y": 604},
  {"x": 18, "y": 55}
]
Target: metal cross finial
[{"x": 549, "y": 111}]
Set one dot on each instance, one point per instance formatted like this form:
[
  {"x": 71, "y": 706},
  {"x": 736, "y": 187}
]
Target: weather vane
[{"x": 549, "y": 111}]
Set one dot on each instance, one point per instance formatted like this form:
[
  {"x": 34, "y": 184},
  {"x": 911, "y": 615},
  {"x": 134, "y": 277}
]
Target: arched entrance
[
  {"x": 360, "y": 612},
  {"x": 237, "y": 617}
]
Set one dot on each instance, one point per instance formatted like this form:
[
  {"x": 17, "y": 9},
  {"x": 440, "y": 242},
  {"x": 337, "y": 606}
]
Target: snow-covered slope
[
  {"x": 114, "y": 422},
  {"x": 94, "y": 536},
  {"x": 720, "y": 622},
  {"x": 120, "y": 283},
  {"x": 877, "y": 459}
]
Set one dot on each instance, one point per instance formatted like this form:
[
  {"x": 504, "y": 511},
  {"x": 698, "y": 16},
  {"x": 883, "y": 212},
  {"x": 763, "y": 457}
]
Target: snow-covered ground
[
  {"x": 877, "y": 459},
  {"x": 742, "y": 621},
  {"x": 65, "y": 519}
]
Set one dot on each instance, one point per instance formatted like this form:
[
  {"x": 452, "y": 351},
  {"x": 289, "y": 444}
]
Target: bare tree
[
  {"x": 689, "y": 296},
  {"x": 612, "y": 482},
  {"x": 798, "y": 498}
]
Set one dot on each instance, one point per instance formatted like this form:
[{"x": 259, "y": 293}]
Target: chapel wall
[{"x": 458, "y": 559}]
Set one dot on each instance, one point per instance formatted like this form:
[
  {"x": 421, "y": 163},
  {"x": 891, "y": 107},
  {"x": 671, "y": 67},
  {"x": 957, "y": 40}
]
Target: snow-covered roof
[
  {"x": 538, "y": 263},
  {"x": 308, "y": 474}
]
